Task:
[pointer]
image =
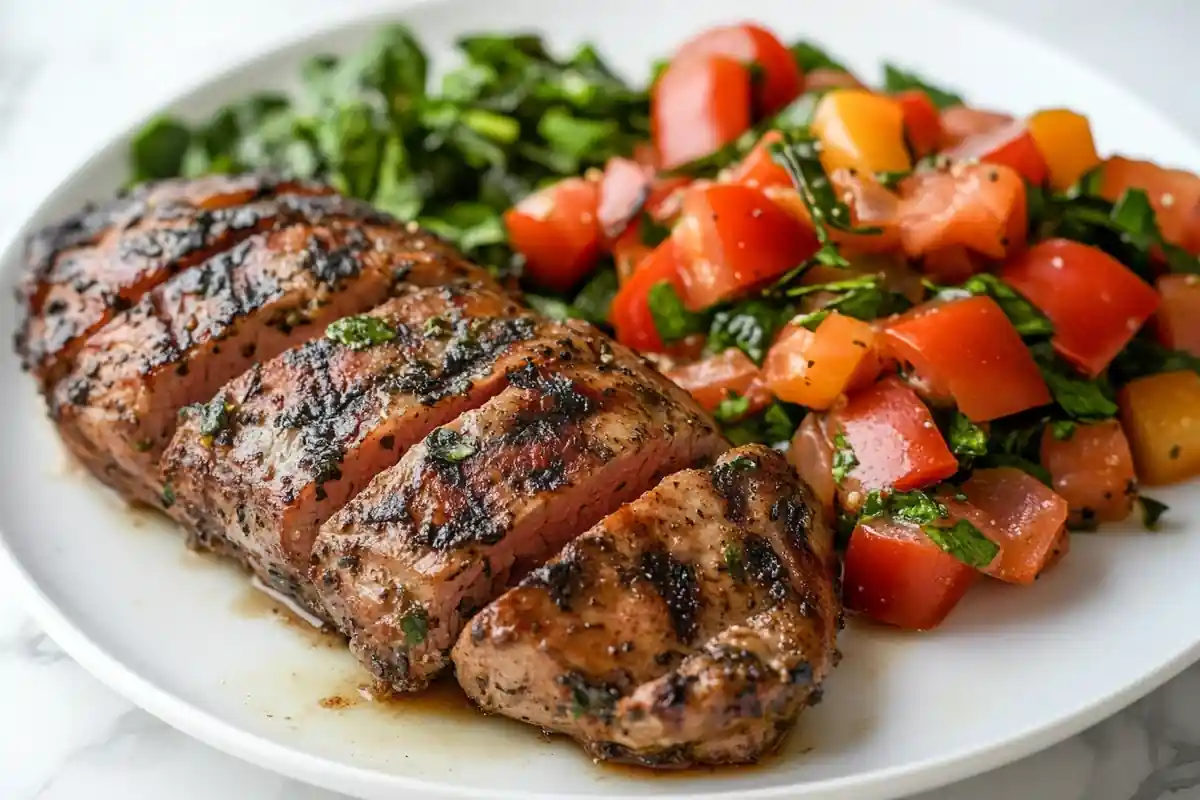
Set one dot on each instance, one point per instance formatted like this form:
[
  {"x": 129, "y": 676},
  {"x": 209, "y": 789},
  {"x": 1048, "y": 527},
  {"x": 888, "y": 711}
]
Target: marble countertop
[{"x": 73, "y": 72}]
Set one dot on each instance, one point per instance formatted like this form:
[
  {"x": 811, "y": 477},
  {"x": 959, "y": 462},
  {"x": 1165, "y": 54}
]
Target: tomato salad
[{"x": 972, "y": 332}]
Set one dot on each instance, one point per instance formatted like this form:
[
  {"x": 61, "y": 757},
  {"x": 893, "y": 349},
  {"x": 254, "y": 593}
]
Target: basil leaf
[
  {"x": 595, "y": 298},
  {"x": 158, "y": 149},
  {"x": 1079, "y": 398},
  {"x": 844, "y": 460},
  {"x": 810, "y": 56},
  {"x": 772, "y": 426},
  {"x": 1025, "y": 317},
  {"x": 360, "y": 332},
  {"x": 1152, "y": 511},
  {"x": 965, "y": 542},
  {"x": 672, "y": 320},
  {"x": 965, "y": 437},
  {"x": 914, "y": 506},
  {"x": 899, "y": 80},
  {"x": 750, "y": 326},
  {"x": 731, "y": 409},
  {"x": 1063, "y": 429}
]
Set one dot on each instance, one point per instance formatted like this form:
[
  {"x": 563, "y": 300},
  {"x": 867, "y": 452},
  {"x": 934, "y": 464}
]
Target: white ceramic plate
[{"x": 1013, "y": 671}]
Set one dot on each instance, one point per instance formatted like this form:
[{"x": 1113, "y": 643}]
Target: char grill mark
[
  {"x": 117, "y": 407},
  {"x": 101, "y": 261},
  {"x": 487, "y": 498},
  {"x": 324, "y": 419},
  {"x": 690, "y": 626}
]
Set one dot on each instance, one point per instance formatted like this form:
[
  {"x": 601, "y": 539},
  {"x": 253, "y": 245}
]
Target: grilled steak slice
[
  {"x": 690, "y": 627},
  {"x": 92, "y": 265},
  {"x": 184, "y": 339},
  {"x": 484, "y": 499},
  {"x": 306, "y": 431}
]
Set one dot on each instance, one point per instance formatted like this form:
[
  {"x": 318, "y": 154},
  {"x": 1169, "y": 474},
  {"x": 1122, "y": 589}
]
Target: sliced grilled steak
[
  {"x": 117, "y": 408},
  {"x": 100, "y": 261},
  {"x": 305, "y": 432},
  {"x": 690, "y": 627},
  {"x": 484, "y": 499}
]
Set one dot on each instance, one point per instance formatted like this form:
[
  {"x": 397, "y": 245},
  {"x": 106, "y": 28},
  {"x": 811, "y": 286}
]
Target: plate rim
[{"x": 321, "y": 771}]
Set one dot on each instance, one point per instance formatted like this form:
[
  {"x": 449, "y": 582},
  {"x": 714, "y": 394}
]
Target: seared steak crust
[
  {"x": 690, "y": 626},
  {"x": 486, "y": 498}
]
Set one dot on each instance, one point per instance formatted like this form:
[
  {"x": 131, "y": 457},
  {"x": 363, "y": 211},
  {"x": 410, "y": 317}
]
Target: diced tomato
[
  {"x": 630, "y": 311},
  {"x": 861, "y": 130},
  {"x": 1178, "y": 321},
  {"x": 758, "y": 168},
  {"x": 895, "y": 574},
  {"x": 556, "y": 231},
  {"x": 722, "y": 376},
  {"x": 967, "y": 348},
  {"x": 1096, "y": 303},
  {"x": 629, "y": 251},
  {"x": 811, "y": 453},
  {"x": 666, "y": 196},
  {"x": 894, "y": 438},
  {"x": 959, "y": 122},
  {"x": 922, "y": 123},
  {"x": 1161, "y": 416},
  {"x": 952, "y": 265},
  {"x": 1092, "y": 470},
  {"x": 780, "y": 80},
  {"x": 871, "y": 206},
  {"x": 697, "y": 106},
  {"x": 1017, "y": 512},
  {"x": 814, "y": 368},
  {"x": 1174, "y": 194},
  {"x": 980, "y": 207},
  {"x": 624, "y": 190},
  {"x": 732, "y": 239},
  {"x": 824, "y": 78},
  {"x": 1010, "y": 145},
  {"x": 1065, "y": 141}
]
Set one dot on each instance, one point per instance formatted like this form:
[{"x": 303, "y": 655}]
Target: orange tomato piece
[
  {"x": 1065, "y": 141},
  {"x": 1096, "y": 303},
  {"x": 697, "y": 106},
  {"x": 780, "y": 80},
  {"x": 968, "y": 349},
  {"x": 1092, "y": 470},
  {"x": 722, "y": 376},
  {"x": 556, "y": 231},
  {"x": 979, "y": 207},
  {"x": 1161, "y": 416},
  {"x": 1178, "y": 320},
  {"x": 1010, "y": 145},
  {"x": 861, "y": 130},
  {"x": 814, "y": 368},
  {"x": 960, "y": 122},
  {"x": 922, "y": 123},
  {"x": 732, "y": 239},
  {"x": 1174, "y": 194}
]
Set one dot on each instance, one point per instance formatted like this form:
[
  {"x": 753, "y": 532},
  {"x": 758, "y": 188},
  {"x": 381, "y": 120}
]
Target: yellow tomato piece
[
  {"x": 861, "y": 130},
  {"x": 814, "y": 368},
  {"x": 1161, "y": 415},
  {"x": 1065, "y": 141}
]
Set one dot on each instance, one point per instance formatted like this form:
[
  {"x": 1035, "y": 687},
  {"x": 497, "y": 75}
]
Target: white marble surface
[{"x": 72, "y": 72}]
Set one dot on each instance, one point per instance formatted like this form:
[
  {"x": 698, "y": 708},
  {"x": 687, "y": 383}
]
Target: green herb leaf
[
  {"x": 735, "y": 562},
  {"x": 583, "y": 140},
  {"x": 672, "y": 320},
  {"x": 731, "y": 409},
  {"x": 1145, "y": 356},
  {"x": 360, "y": 332},
  {"x": 1152, "y": 511},
  {"x": 750, "y": 326},
  {"x": 552, "y": 307},
  {"x": 214, "y": 416},
  {"x": 447, "y": 444},
  {"x": 1079, "y": 398},
  {"x": 914, "y": 506},
  {"x": 965, "y": 437},
  {"x": 810, "y": 56},
  {"x": 168, "y": 495},
  {"x": 844, "y": 460},
  {"x": 415, "y": 626},
  {"x": 1025, "y": 317},
  {"x": 595, "y": 298},
  {"x": 1063, "y": 429},
  {"x": 651, "y": 232},
  {"x": 771, "y": 426},
  {"x": 965, "y": 542},
  {"x": 899, "y": 80},
  {"x": 158, "y": 150}
]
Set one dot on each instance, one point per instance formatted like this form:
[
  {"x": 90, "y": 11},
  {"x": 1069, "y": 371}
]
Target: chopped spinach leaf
[
  {"x": 750, "y": 326},
  {"x": 899, "y": 80},
  {"x": 595, "y": 298},
  {"x": 1025, "y": 317},
  {"x": 965, "y": 437},
  {"x": 810, "y": 56},
  {"x": 735, "y": 561},
  {"x": 965, "y": 542},
  {"x": 731, "y": 409},
  {"x": 1152, "y": 511},
  {"x": 774, "y": 425},
  {"x": 1079, "y": 398},
  {"x": 844, "y": 460},
  {"x": 360, "y": 332},
  {"x": 1063, "y": 429},
  {"x": 672, "y": 320},
  {"x": 158, "y": 150},
  {"x": 1144, "y": 356},
  {"x": 915, "y": 506}
]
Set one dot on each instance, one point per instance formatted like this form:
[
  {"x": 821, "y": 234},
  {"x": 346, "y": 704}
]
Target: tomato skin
[
  {"x": 1096, "y": 303},
  {"x": 1010, "y": 145},
  {"x": 718, "y": 377},
  {"x": 1065, "y": 141},
  {"x": 894, "y": 438},
  {"x": 556, "y": 231},
  {"x": 1093, "y": 471},
  {"x": 1178, "y": 321},
  {"x": 732, "y": 239},
  {"x": 861, "y": 130},
  {"x": 968, "y": 349},
  {"x": 630, "y": 311},
  {"x": 1174, "y": 194},
  {"x": 814, "y": 368},
  {"x": 811, "y": 453},
  {"x": 960, "y": 122},
  {"x": 922, "y": 123},
  {"x": 758, "y": 168},
  {"x": 1159, "y": 415},
  {"x": 1017, "y": 512},
  {"x": 895, "y": 574},
  {"x": 697, "y": 106},
  {"x": 624, "y": 191},
  {"x": 750, "y": 44},
  {"x": 979, "y": 207}
]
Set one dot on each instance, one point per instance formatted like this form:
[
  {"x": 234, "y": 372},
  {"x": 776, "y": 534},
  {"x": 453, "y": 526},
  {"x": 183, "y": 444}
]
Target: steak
[
  {"x": 482, "y": 500},
  {"x": 300, "y": 435},
  {"x": 118, "y": 405},
  {"x": 691, "y": 626}
]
